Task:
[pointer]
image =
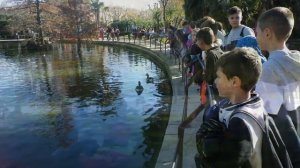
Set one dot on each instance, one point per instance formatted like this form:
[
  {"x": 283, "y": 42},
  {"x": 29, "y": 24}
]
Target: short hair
[
  {"x": 244, "y": 63},
  {"x": 234, "y": 10},
  {"x": 200, "y": 21},
  {"x": 211, "y": 23},
  {"x": 280, "y": 20},
  {"x": 206, "y": 35}
]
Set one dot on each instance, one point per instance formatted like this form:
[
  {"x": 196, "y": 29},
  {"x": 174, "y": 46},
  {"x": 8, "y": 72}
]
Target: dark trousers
[{"x": 286, "y": 123}]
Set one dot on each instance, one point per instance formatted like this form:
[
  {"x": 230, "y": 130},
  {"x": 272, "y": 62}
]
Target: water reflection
[{"x": 58, "y": 109}]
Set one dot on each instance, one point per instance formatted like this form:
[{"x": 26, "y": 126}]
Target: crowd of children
[
  {"x": 242, "y": 84},
  {"x": 250, "y": 74}
]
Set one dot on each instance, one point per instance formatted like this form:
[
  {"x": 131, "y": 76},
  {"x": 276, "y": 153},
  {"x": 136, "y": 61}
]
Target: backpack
[
  {"x": 232, "y": 45},
  {"x": 274, "y": 153}
]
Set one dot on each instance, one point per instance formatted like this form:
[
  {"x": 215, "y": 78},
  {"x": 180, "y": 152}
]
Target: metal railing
[
  {"x": 157, "y": 41},
  {"x": 186, "y": 120}
]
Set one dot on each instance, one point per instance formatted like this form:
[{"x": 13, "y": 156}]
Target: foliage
[
  {"x": 96, "y": 6},
  {"x": 163, "y": 4},
  {"x": 174, "y": 12},
  {"x": 143, "y": 23},
  {"x": 123, "y": 25},
  {"x": 194, "y": 9},
  {"x": 4, "y": 25},
  {"x": 76, "y": 20},
  {"x": 156, "y": 19}
]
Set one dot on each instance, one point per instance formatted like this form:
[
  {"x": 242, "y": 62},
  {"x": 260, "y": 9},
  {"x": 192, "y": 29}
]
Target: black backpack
[{"x": 274, "y": 153}]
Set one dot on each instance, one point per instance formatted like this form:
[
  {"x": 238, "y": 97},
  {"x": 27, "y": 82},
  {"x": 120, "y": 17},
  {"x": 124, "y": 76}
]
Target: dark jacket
[
  {"x": 232, "y": 146},
  {"x": 212, "y": 56}
]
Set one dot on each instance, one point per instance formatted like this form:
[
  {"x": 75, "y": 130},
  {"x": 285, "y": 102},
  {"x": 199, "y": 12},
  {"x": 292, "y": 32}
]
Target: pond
[{"x": 59, "y": 110}]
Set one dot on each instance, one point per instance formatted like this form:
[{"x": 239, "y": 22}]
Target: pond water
[{"x": 59, "y": 110}]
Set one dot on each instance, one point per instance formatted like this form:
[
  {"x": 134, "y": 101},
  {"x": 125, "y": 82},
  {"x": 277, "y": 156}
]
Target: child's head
[
  {"x": 200, "y": 21},
  {"x": 205, "y": 37},
  {"x": 238, "y": 69},
  {"x": 211, "y": 23},
  {"x": 234, "y": 15},
  {"x": 185, "y": 24},
  {"x": 274, "y": 25}
]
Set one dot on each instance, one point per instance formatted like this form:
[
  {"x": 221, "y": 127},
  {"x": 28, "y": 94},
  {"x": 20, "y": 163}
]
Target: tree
[
  {"x": 39, "y": 23},
  {"x": 77, "y": 20},
  {"x": 105, "y": 14},
  {"x": 3, "y": 25},
  {"x": 175, "y": 12},
  {"x": 164, "y": 4},
  {"x": 96, "y": 6},
  {"x": 194, "y": 9},
  {"x": 156, "y": 15},
  {"x": 116, "y": 13}
]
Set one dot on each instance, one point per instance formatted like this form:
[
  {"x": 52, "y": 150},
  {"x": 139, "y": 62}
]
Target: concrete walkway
[{"x": 168, "y": 149}]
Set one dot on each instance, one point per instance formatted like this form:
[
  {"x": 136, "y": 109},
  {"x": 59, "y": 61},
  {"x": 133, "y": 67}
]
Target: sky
[{"x": 136, "y": 4}]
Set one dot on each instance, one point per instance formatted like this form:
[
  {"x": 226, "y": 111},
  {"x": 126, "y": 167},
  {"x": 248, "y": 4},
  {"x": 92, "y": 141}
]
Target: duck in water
[
  {"x": 149, "y": 79},
  {"x": 139, "y": 88}
]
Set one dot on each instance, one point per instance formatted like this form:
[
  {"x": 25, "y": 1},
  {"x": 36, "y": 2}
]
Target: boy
[
  {"x": 205, "y": 40},
  {"x": 237, "y": 29},
  {"x": 279, "y": 85},
  {"x": 234, "y": 141}
]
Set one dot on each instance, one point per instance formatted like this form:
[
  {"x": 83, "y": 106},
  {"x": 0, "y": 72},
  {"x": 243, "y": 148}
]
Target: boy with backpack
[
  {"x": 279, "y": 85},
  {"x": 237, "y": 29},
  {"x": 228, "y": 137}
]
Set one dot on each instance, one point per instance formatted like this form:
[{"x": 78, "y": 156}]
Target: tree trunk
[
  {"x": 97, "y": 18},
  {"x": 164, "y": 16},
  {"x": 39, "y": 23},
  {"x": 78, "y": 28}
]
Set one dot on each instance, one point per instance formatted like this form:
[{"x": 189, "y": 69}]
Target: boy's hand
[{"x": 212, "y": 128}]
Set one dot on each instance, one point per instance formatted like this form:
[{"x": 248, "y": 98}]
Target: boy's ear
[
  {"x": 236, "y": 82},
  {"x": 267, "y": 33}
]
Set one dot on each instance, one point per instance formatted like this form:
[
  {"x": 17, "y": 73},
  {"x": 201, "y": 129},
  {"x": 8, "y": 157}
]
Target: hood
[
  {"x": 287, "y": 64},
  {"x": 292, "y": 61}
]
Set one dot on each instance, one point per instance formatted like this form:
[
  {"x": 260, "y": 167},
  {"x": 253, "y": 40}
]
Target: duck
[
  {"x": 139, "y": 88},
  {"x": 149, "y": 79}
]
